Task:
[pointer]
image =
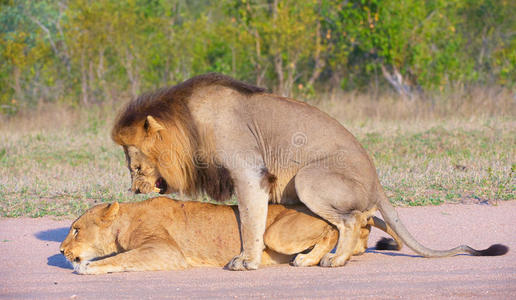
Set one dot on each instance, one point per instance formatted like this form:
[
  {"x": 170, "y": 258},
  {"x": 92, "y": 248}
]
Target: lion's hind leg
[
  {"x": 349, "y": 232},
  {"x": 338, "y": 200}
]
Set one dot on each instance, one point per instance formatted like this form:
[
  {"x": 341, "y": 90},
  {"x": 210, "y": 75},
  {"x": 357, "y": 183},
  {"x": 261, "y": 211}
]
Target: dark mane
[
  {"x": 161, "y": 103},
  {"x": 170, "y": 106}
]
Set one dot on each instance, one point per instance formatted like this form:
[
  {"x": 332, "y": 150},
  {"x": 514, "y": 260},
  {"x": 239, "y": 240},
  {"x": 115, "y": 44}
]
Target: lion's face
[
  {"x": 145, "y": 176},
  {"x": 158, "y": 157},
  {"x": 91, "y": 235}
]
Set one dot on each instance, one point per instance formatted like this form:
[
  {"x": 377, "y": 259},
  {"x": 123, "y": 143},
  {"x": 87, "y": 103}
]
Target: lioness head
[{"x": 91, "y": 235}]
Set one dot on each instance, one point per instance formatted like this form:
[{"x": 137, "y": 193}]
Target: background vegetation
[
  {"x": 83, "y": 51},
  {"x": 428, "y": 87}
]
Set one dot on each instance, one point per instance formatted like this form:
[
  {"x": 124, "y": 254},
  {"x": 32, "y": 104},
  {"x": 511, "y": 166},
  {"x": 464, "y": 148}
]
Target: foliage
[{"x": 83, "y": 52}]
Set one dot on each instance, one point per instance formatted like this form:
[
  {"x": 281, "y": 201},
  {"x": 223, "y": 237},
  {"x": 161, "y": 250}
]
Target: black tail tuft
[
  {"x": 389, "y": 244},
  {"x": 494, "y": 250}
]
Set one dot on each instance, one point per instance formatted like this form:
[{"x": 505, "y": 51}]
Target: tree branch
[{"x": 396, "y": 80}]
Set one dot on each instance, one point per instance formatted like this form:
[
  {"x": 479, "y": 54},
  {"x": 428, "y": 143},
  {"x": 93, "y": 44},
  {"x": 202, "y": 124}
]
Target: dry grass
[{"x": 458, "y": 148}]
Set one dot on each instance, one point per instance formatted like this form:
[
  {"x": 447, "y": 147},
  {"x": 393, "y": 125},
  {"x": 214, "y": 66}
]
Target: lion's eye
[{"x": 75, "y": 232}]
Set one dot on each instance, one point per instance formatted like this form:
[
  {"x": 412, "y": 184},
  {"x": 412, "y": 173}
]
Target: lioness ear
[
  {"x": 110, "y": 212},
  {"x": 152, "y": 126}
]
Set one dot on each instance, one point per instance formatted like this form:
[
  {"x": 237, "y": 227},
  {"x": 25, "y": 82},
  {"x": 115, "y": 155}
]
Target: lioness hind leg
[
  {"x": 270, "y": 257},
  {"x": 331, "y": 238},
  {"x": 361, "y": 245},
  {"x": 293, "y": 232},
  {"x": 150, "y": 257},
  {"x": 321, "y": 248},
  {"x": 337, "y": 200},
  {"x": 296, "y": 231}
]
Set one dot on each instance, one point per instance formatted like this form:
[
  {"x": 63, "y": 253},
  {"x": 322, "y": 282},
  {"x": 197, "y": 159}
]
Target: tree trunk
[
  {"x": 259, "y": 69},
  {"x": 91, "y": 81},
  {"x": 132, "y": 74},
  {"x": 233, "y": 61},
  {"x": 396, "y": 80},
  {"x": 278, "y": 60},
  {"x": 278, "y": 65},
  {"x": 18, "y": 91},
  {"x": 84, "y": 82},
  {"x": 100, "y": 76},
  {"x": 291, "y": 77},
  {"x": 319, "y": 63}
]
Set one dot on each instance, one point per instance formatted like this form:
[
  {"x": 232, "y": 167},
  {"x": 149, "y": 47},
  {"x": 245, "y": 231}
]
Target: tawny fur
[
  {"x": 166, "y": 234},
  {"x": 215, "y": 135}
]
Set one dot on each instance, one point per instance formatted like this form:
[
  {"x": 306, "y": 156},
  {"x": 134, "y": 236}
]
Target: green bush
[{"x": 83, "y": 52}]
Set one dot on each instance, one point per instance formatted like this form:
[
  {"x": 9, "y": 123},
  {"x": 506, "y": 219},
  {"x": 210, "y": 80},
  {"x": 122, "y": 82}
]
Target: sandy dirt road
[{"x": 31, "y": 266}]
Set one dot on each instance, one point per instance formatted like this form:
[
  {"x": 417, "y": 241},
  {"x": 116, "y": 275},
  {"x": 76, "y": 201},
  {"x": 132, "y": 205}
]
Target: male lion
[
  {"x": 165, "y": 234},
  {"x": 215, "y": 135}
]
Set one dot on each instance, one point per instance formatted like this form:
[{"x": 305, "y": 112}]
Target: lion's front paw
[
  {"x": 239, "y": 263},
  {"x": 332, "y": 260},
  {"x": 143, "y": 187}
]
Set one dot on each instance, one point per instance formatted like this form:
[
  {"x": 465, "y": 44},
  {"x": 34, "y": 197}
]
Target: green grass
[
  {"x": 447, "y": 162},
  {"x": 60, "y": 163}
]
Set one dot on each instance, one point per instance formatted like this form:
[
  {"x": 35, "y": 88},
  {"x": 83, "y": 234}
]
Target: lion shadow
[
  {"x": 55, "y": 235},
  {"x": 58, "y": 260},
  {"x": 384, "y": 252},
  {"x": 389, "y": 253}
]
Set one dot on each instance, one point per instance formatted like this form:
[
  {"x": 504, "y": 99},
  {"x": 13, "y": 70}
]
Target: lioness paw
[
  {"x": 88, "y": 268},
  {"x": 303, "y": 260},
  {"x": 82, "y": 268},
  {"x": 332, "y": 260},
  {"x": 238, "y": 263}
]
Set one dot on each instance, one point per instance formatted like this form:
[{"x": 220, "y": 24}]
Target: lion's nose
[{"x": 137, "y": 191}]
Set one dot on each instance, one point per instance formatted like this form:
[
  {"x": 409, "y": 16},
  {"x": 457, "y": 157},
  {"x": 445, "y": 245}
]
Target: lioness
[
  {"x": 215, "y": 135},
  {"x": 165, "y": 234}
]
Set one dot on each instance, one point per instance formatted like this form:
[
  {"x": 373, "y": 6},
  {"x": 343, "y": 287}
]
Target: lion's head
[
  {"x": 164, "y": 149},
  {"x": 145, "y": 176},
  {"x": 91, "y": 235},
  {"x": 159, "y": 156}
]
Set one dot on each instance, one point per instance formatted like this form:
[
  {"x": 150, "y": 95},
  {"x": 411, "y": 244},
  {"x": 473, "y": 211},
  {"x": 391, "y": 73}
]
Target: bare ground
[{"x": 31, "y": 266}]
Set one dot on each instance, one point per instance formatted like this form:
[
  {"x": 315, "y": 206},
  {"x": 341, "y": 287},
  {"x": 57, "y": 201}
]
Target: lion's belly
[{"x": 284, "y": 192}]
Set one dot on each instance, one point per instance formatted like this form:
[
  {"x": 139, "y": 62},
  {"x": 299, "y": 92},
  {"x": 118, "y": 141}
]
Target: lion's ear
[
  {"x": 152, "y": 126},
  {"x": 110, "y": 212}
]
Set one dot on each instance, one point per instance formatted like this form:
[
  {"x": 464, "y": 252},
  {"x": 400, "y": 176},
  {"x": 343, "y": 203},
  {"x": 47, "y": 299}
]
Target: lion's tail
[
  {"x": 386, "y": 244},
  {"x": 392, "y": 219}
]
